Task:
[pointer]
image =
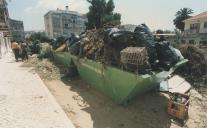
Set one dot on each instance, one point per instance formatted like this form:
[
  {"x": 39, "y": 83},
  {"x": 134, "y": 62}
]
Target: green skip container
[{"x": 120, "y": 85}]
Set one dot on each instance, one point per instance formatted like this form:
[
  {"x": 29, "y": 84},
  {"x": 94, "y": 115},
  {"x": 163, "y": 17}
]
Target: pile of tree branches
[{"x": 196, "y": 69}]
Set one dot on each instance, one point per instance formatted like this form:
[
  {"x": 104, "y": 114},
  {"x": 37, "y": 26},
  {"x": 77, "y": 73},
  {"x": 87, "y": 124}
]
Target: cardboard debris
[{"x": 176, "y": 84}]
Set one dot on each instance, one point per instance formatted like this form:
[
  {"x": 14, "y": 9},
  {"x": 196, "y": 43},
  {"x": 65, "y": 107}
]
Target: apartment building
[
  {"x": 16, "y": 28},
  {"x": 63, "y": 23}
]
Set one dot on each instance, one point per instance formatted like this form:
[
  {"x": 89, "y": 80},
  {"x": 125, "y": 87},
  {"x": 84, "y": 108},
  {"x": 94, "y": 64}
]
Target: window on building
[
  {"x": 66, "y": 25},
  {"x": 194, "y": 26},
  {"x": 191, "y": 41},
  {"x": 2, "y": 17},
  {"x": 69, "y": 21},
  {"x": 205, "y": 25},
  {"x": 203, "y": 42},
  {"x": 56, "y": 16}
]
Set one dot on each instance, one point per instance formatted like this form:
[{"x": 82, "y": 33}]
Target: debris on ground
[
  {"x": 196, "y": 69},
  {"x": 46, "y": 69},
  {"x": 80, "y": 101}
]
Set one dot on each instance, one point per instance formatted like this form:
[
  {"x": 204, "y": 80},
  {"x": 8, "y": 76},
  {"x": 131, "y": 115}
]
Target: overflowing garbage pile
[
  {"x": 89, "y": 44},
  {"x": 107, "y": 45},
  {"x": 196, "y": 70}
]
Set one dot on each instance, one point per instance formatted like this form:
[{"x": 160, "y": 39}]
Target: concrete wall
[{"x": 5, "y": 45}]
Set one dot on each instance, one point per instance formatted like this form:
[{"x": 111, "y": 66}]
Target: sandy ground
[{"x": 87, "y": 108}]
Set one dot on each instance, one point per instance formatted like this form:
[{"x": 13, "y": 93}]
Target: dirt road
[{"x": 87, "y": 108}]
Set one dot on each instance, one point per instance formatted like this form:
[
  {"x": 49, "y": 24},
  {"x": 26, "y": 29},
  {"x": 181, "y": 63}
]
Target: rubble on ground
[
  {"x": 46, "y": 69},
  {"x": 196, "y": 69}
]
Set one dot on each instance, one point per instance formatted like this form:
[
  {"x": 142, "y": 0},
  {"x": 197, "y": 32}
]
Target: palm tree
[{"x": 182, "y": 15}]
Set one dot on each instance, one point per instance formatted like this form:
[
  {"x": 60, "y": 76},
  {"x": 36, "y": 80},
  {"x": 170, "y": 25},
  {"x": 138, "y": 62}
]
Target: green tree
[
  {"x": 182, "y": 15},
  {"x": 110, "y": 7},
  {"x": 102, "y": 12},
  {"x": 178, "y": 37},
  {"x": 41, "y": 36}
]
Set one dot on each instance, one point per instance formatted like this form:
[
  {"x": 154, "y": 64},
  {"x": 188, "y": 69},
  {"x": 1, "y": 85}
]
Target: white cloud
[
  {"x": 78, "y": 5},
  {"x": 34, "y": 15},
  {"x": 74, "y": 5},
  {"x": 50, "y": 4}
]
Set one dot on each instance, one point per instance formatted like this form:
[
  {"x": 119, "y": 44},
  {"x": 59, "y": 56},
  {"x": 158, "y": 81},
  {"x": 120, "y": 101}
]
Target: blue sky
[{"x": 157, "y": 14}]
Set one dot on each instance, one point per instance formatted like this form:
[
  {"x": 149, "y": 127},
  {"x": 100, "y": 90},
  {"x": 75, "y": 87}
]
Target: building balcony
[
  {"x": 195, "y": 31},
  {"x": 203, "y": 31},
  {"x": 4, "y": 28},
  {"x": 191, "y": 31}
]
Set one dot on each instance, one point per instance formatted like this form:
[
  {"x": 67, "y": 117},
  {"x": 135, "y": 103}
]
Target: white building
[
  {"x": 63, "y": 23},
  {"x": 195, "y": 31}
]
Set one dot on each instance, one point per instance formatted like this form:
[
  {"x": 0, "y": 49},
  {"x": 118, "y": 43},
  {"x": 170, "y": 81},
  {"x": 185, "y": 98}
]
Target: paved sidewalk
[{"x": 25, "y": 102}]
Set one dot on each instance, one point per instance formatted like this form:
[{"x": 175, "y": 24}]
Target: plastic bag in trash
[
  {"x": 73, "y": 39},
  {"x": 166, "y": 53},
  {"x": 143, "y": 35}
]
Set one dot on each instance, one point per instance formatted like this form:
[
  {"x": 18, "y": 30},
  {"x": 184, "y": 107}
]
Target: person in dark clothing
[
  {"x": 16, "y": 54},
  {"x": 24, "y": 51}
]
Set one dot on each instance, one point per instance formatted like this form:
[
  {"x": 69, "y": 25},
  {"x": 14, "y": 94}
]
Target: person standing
[
  {"x": 24, "y": 52},
  {"x": 15, "y": 48}
]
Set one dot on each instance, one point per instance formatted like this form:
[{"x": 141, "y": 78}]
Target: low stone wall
[{"x": 5, "y": 46}]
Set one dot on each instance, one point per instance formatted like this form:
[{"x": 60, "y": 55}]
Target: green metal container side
[
  {"x": 62, "y": 58},
  {"x": 113, "y": 82},
  {"x": 120, "y": 85}
]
